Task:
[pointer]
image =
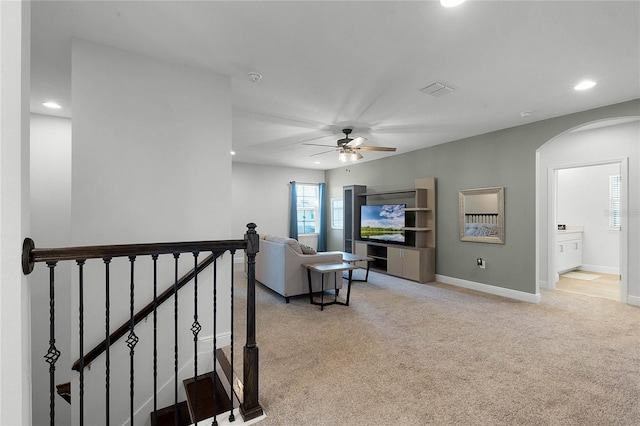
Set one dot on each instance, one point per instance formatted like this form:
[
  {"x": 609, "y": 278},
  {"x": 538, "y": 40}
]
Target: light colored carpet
[
  {"x": 580, "y": 276},
  {"x": 412, "y": 354}
]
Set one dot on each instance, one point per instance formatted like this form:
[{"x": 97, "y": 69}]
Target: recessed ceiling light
[
  {"x": 51, "y": 105},
  {"x": 526, "y": 113},
  {"x": 316, "y": 162},
  {"x": 585, "y": 84},
  {"x": 451, "y": 3},
  {"x": 233, "y": 153}
]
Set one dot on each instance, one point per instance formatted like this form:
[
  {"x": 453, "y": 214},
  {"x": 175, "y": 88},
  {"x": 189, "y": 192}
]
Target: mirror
[{"x": 481, "y": 215}]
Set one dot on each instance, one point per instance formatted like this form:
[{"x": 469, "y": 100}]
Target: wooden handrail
[
  {"x": 31, "y": 254},
  {"x": 144, "y": 312}
]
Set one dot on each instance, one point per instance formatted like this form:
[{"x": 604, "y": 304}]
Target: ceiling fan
[{"x": 349, "y": 148}]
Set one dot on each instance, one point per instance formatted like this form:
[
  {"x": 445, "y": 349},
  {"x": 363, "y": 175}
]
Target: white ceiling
[{"x": 328, "y": 65}]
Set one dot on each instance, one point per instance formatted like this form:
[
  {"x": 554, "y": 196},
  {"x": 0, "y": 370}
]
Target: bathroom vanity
[{"x": 568, "y": 249}]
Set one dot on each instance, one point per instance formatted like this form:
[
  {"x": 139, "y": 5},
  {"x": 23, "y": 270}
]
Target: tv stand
[
  {"x": 412, "y": 263},
  {"x": 415, "y": 260}
]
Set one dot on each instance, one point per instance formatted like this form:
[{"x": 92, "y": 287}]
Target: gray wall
[{"x": 502, "y": 158}]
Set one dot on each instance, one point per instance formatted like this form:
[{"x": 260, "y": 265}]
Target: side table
[{"x": 327, "y": 268}]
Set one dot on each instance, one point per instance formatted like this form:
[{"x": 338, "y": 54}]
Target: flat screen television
[{"x": 383, "y": 222}]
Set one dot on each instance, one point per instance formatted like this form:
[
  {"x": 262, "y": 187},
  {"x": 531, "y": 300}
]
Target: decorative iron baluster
[
  {"x": 195, "y": 329},
  {"x": 107, "y": 326},
  {"x": 80, "y": 263},
  {"x": 215, "y": 338},
  {"x": 53, "y": 353},
  {"x": 175, "y": 338},
  {"x": 231, "y": 416},
  {"x": 155, "y": 339},
  {"x": 132, "y": 339}
]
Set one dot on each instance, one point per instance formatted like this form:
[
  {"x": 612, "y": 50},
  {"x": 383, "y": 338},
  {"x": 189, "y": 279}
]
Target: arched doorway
[{"x": 598, "y": 143}]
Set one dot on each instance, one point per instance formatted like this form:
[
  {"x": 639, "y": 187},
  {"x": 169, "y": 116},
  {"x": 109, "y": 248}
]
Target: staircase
[
  {"x": 206, "y": 394},
  {"x": 201, "y": 395}
]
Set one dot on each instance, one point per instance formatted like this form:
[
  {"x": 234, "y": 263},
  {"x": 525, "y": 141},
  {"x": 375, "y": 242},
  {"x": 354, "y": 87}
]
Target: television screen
[{"x": 384, "y": 222}]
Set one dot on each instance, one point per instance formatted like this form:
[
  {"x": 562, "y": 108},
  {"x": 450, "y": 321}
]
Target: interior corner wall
[
  {"x": 150, "y": 163},
  {"x": 50, "y": 227},
  {"x": 503, "y": 158},
  {"x": 261, "y": 195},
  {"x": 151, "y": 149}
]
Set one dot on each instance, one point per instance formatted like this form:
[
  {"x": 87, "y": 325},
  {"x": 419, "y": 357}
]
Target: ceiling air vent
[{"x": 437, "y": 89}]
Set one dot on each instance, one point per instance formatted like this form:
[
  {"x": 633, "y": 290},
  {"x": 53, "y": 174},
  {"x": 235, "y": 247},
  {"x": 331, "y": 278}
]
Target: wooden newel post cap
[{"x": 252, "y": 238}]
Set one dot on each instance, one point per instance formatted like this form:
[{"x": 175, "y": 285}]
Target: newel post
[{"x": 250, "y": 408}]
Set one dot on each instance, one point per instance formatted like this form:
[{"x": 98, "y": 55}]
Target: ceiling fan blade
[
  {"x": 357, "y": 141},
  {"x": 376, "y": 148},
  {"x": 323, "y": 152},
  {"x": 360, "y": 157},
  {"x": 317, "y": 144}
]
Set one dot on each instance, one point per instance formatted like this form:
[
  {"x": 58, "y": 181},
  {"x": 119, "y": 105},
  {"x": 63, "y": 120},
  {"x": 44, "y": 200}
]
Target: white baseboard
[
  {"x": 601, "y": 269},
  {"x": 633, "y": 300},
  {"x": 491, "y": 289},
  {"x": 544, "y": 284},
  {"x": 223, "y": 339}
]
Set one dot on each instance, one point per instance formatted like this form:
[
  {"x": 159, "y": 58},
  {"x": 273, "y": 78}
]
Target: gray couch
[{"x": 279, "y": 266}]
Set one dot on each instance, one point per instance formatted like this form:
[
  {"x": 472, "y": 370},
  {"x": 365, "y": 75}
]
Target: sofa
[{"x": 279, "y": 266}]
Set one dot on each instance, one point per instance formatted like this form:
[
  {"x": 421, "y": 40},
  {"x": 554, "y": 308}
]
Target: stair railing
[{"x": 249, "y": 406}]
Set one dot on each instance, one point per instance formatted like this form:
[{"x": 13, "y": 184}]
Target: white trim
[
  {"x": 633, "y": 300},
  {"x": 490, "y": 289},
  {"x": 224, "y": 339},
  {"x": 613, "y": 270}
]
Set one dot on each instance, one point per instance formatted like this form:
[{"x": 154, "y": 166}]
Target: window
[
  {"x": 337, "y": 213},
  {"x": 307, "y": 206},
  {"x": 614, "y": 202}
]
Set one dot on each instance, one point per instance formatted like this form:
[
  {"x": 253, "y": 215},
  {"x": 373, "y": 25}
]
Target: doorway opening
[
  {"x": 585, "y": 149},
  {"x": 588, "y": 198}
]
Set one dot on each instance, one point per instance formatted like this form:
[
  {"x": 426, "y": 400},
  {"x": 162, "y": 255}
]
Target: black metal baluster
[
  {"x": 231, "y": 416},
  {"x": 81, "y": 332},
  {"x": 107, "y": 327},
  {"x": 175, "y": 338},
  {"x": 52, "y": 353},
  {"x": 215, "y": 339},
  {"x": 132, "y": 339},
  {"x": 155, "y": 339},
  {"x": 195, "y": 329}
]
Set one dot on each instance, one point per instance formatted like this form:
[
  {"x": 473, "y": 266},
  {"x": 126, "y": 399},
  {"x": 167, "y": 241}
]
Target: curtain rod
[{"x": 306, "y": 183}]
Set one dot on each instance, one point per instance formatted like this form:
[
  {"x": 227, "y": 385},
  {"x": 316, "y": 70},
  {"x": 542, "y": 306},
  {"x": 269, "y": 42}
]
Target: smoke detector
[
  {"x": 254, "y": 77},
  {"x": 437, "y": 89}
]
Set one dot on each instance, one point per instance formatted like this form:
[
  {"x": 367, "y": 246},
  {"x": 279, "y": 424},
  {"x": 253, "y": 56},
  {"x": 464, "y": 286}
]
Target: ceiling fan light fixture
[{"x": 347, "y": 156}]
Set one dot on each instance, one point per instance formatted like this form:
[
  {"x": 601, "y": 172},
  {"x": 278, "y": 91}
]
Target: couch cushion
[{"x": 285, "y": 240}]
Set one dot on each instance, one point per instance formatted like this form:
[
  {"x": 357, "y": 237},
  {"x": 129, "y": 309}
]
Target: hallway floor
[{"x": 606, "y": 286}]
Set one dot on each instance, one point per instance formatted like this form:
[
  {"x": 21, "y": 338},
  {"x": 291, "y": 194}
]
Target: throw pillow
[{"x": 306, "y": 249}]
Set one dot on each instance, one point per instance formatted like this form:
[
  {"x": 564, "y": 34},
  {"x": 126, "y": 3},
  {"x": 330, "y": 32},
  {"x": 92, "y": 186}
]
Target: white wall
[
  {"x": 583, "y": 200},
  {"x": 50, "y": 227},
  {"x": 597, "y": 145},
  {"x": 151, "y": 163},
  {"x": 15, "y": 350},
  {"x": 261, "y": 195}
]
